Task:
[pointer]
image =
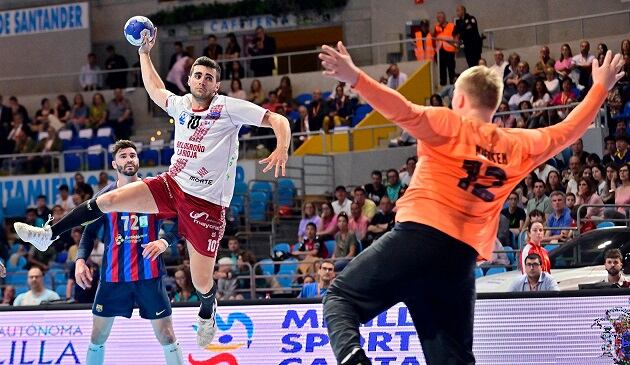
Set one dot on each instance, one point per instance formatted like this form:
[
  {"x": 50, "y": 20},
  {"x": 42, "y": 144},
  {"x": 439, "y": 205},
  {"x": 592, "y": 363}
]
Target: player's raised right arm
[{"x": 152, "y": 81}]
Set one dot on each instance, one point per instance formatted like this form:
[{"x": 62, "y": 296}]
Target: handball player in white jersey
[{"x": 199, "y": 184}]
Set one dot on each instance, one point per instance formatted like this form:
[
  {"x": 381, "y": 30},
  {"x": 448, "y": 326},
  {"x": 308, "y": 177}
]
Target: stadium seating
[
  {"x": 240, "y": 174},
  {"x": 95, "y": 157},
  {"x": 605, "y": 224},
  {"x": 304, "y": 99},
  {"x": 282, "y": 247},
  {"x": 104, "y": 137},
  {"x": 264, "y": 187},
  {"x": 286, "y": 192},
  {"x": 478, "y": 272},
  {"x": 496, "y": 270},
  {"x": 360, "y": 113},
  {"x": 85, "y": 137},
  {"x": 266, "y": 266},
  {"x": 72, "y": 161}
]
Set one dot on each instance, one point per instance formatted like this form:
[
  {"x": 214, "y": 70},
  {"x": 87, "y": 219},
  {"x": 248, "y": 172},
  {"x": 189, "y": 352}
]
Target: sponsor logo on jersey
[
  {"x": 144, "y": 221},
  {"x": 215, "y": 112},
  {"x": 201, "y": 181},
  {"x": 203, "y": 219},
  {"x": 182, "y": 117},
  {"x": 202, "y": 172}
]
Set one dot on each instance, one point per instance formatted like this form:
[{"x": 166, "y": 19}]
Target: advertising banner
[
  {"x": 577, "y": 330},
  {"x": 44, "y": 19}
]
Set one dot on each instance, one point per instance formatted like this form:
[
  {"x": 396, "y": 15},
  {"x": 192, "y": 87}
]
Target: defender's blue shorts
[{"x": 118, "y": 299}]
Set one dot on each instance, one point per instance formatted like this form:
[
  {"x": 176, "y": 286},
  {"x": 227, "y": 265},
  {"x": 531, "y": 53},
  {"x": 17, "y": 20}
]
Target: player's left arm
[
  {"x": 282, "y": 130},
  {"x": 155, "y": 248}
]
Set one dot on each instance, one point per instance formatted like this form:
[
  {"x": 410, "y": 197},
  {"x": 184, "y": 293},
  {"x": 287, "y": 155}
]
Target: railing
[
  {"x": 600, "y": 120},
  {"x": 491, "y": 32}
]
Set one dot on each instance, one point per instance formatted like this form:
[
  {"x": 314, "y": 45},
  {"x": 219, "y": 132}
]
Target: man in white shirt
[
  {"x": 614, "y": 264},
  {"x": 583, "y": 63},
  {"x": 38, "y": 293},
  {"x": 342, "y": 204},
  {"x": 499, "y": 64},
  {"x": 522, "y": 94},
  {"x": 90, "y": 77},
  {"x": 543, "y": 170},
  {"x": 396, "y": 78},
  {"x": 64, "y": 199}
]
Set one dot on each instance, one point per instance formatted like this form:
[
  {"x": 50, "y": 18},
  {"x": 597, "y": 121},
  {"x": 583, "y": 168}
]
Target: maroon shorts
[{"x": 200, "y": 222}]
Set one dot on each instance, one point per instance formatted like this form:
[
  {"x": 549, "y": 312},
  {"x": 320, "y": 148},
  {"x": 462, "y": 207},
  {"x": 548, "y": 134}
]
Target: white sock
[
  {"x": 173, "y": 354},
  {"x": 95, "y": 354}
]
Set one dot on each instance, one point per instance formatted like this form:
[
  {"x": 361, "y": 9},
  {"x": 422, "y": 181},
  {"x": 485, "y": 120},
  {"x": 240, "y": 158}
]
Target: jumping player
[
  {"x": 450, "y": 212},
  {"x": 132, "y": 269},
  {"x": 200, "y": 182}
]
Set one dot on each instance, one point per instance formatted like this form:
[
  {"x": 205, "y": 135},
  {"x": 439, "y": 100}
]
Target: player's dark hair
[
  {"x": 123, "y": 143},
  {"x": 63, "y": 187},
  {"x": 207, "y": 62},
  {"x": 613, "y": 253},
  {"x": 311, "y": 224},
  {"x": 377, "y": 173}
]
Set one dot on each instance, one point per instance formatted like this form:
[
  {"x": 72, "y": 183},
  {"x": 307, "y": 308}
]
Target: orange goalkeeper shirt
[{"x": 467, "y": 167}]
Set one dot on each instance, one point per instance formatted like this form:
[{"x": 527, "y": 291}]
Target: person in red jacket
[{"x": 536, "y": 234}]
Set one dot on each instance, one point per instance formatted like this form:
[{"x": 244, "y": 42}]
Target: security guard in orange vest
[
  {"x": 443, "y": 33},
  {"x": 425, "y": 50}
]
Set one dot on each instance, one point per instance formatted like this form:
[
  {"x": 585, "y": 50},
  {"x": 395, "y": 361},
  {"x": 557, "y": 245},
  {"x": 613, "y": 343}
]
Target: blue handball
[{"x": 136, "y": 27}]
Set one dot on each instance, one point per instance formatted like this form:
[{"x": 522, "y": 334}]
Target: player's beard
[
  {"x": 613, "y": 271},
  {"x": 128, "y": 172}
]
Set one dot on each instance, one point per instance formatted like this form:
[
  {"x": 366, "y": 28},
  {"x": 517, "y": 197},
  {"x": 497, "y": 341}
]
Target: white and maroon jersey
[{"x": 206, "y": 144}]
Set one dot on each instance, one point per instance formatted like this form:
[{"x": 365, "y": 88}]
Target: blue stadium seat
[
  {"x": 237, "y": 204},
  {"x": 286, "y": 183},
  {"x": 478, "y": 272},
  {"x": 16, "y": 207},
  {"x": 297, "y": 246},
  {"x": 293, "y": 115},
  {"x": 266, "y": 266},
  {"x": 165, "y": 155},
  {"x": 360, "y": 113},
  {"x": 72, "y": 162},
  {"x": 286, "y": 192},
  {"x": 496, "y": 270},
  {"x": 85, "y": 137},
  {"x": 258, "y": 196},
  {"x": 20, "y": 265},
  {"x": 550, "y": 248},
  {"x": 258, "y": 211},
  {"x": 304, "y": 99},
  {"x": 19, "y": 289},
  {"x": 288, "y": 269},
  {"x": 282, "y": 247},
  {"x": 95, "y": 158},
  {"x": 240, "y": 188},
  {"x": 326, "y": 95},
  {"x": 605, "y": 225},
  {"x": 240, "y": 174},
  {"x": 61, "y": 290},
  {"x": 263, "y": 186},
  {"x": 330, "y": 246},
  {"x": 19, "y": 277},
  {"x": 149, "y": 157}
]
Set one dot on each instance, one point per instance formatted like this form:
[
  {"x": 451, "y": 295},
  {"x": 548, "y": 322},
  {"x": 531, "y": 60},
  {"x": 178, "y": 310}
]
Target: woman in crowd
[
  {"x": 256, "y": 93},
  {"x": 536, "y": 234},
  {"x": 185, "y": 290},
  {"x": 587, "y": 195},
  {"x": 236, "y": 90},
  {"x": 98, "y": 112},
  {"x": 622, "y": 192},
  {"x": 345, "y": 243},
  {"x": 309, "y": 215},
  {"x": 327, "y": 227}
]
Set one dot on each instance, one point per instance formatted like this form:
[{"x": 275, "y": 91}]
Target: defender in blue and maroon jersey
[{"x": 132, "y": 268}]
